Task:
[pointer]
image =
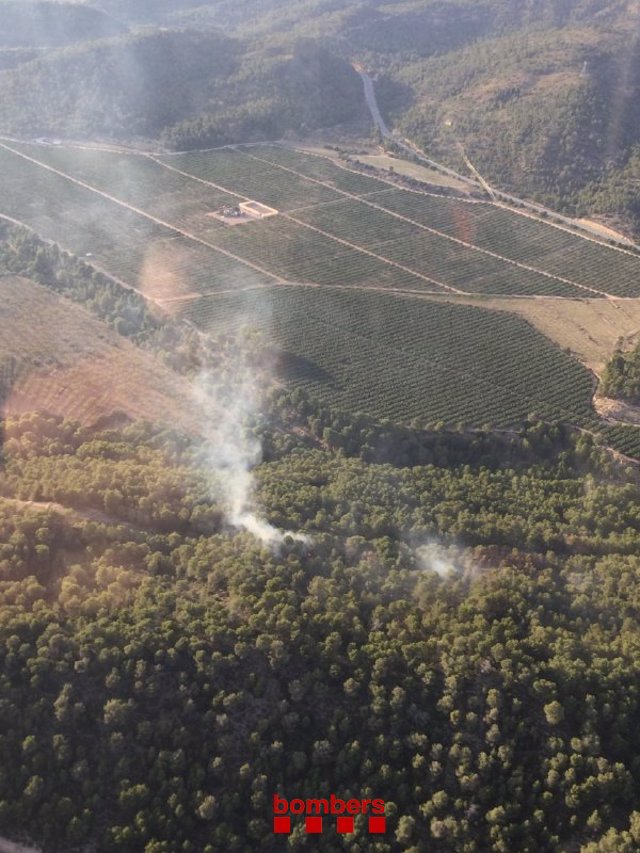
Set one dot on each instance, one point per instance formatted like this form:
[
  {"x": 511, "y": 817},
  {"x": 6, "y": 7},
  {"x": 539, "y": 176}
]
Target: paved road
[
  {"x": 404, "y": 144},
  {"x": 372, "y": 103},
  {"x": 497, "y": 195}
]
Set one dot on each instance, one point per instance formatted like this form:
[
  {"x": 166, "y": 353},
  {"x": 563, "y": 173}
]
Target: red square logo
[
  {"x": 313, "y": 824},
  {"x": 377, "y": 824},
  {"x": 345, "y": 825},
  {"x": 282, "y": 825}
]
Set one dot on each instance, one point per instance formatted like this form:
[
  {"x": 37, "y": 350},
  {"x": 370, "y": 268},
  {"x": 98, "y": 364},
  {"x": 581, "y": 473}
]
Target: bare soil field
[
  {"x": 412, "y": 170},
  {"x": 71, "y": 364},
  {"x": 607, "y": 232},
  {"x": 617, "y": 411},
  {"x": 380, "y": 160}
]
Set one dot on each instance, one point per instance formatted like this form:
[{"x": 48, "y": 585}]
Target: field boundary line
[
  {"x": 563, "y": 227},
  {"x": 363, "y": 200},
  {"x": 194, "y": 297},
  {"x": 94, "y": 265},
  {"x": 334, "y": 201},
  {"x": 156, "y": 159},
  {"x": 367, "y": 288},
  {"x": 427, "y": 228},
  {"x": 141, "y": 212},
  {"x": 352, "y": 246},
  {"x": 373, "y": 255},
  {"x": 341, "y": 165}
]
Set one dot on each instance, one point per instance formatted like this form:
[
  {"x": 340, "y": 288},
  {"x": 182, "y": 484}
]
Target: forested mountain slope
[
  {"x": 546, "y": 113},
  {"x": 217, "y": 89},
  {"x": 457, "y": 636},
  {"x": 542, "y": 97},
  {"x": 444, "y": 619}
]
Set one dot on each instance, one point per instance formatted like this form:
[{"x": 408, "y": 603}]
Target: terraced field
[
  {"x": 314, "y": 276},
  {"x": 57, "y": 358}
]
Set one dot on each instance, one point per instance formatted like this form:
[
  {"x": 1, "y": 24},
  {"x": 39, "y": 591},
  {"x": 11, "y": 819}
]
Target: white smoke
[
  {"x": 229, "y": 403},
  {"x": 434, "y": 557}
]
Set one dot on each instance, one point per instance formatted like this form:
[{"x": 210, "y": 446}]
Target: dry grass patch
[
  {"x": 590, "y": 328},
  {"x": 69, "y": 363}
]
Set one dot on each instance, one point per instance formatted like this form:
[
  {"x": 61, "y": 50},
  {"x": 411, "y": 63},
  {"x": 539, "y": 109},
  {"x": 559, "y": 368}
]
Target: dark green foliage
[
  {"x": 459, "y": 633},
  {"x": 24, "y": 253},
  {"x": 312, "y": 89},
  {"x": 543, "y": 96},
  {"x": 621, "y": 377},
  {"x": 551, "y": 113},
  {"x": 132, "y": 86},
  {"x": 193, "y": 89},
  {"x": 161, "y": 680}
]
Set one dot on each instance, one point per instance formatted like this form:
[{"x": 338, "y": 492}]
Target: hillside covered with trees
[
  {"x": 621, "y": 377},
  {"x": 193, "y": 89},
  {"x": 274, "y": 595},
  {"x": 457, "y": 639}
]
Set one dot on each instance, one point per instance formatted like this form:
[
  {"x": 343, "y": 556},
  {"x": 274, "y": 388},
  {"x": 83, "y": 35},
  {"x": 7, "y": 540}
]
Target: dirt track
[
  {"x": 441, "y": 234},
  {"x": 285, "y": 169},
  {"x": 533, "y": 210}
]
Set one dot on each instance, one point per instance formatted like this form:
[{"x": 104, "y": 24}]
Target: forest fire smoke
[
  {"x": 229, "y": 403},
  {"x": 436, "y": 558}
]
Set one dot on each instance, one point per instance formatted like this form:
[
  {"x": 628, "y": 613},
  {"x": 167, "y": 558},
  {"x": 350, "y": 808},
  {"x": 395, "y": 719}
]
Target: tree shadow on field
[{"x": 290, "y": 366}]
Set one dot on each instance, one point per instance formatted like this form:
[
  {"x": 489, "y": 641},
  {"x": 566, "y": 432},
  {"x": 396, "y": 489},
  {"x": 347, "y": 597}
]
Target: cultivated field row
[
  {"x": 456, "y": 362},
  {"x": 313, "y": 277},
  {"x": 338, "y": 227}
]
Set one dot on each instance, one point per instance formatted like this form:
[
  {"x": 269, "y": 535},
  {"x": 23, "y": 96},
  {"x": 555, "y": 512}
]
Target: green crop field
[
  {"x": 522, "y": 238},
  {"x": 336, "y": 226},
  {"x": 313, "y": 276},
  {"x": 402, "y": 358}
]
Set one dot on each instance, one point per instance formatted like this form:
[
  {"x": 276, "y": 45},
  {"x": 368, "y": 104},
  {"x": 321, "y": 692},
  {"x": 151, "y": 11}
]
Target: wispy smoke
[
  {"x": 436, "y": 558},
  {"x": 229, "y": 403}
]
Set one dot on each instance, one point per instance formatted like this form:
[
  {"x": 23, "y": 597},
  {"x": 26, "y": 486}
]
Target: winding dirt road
[{"x": 537, "y": 210}]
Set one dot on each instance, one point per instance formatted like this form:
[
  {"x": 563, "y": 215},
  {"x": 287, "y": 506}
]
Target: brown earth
[
  {"x": 617, "y": 411},
  {"x": 71, "y": 364}
]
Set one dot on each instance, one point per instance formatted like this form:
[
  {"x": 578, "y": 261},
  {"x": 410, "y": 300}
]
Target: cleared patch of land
[
  {"x": 607, "y": 232},
  {"x": 377, "y": 159},
  {"x": 57, "y": 358},
  {"x": 411, "y": 170},
  {"x": 617, "y": 411}
]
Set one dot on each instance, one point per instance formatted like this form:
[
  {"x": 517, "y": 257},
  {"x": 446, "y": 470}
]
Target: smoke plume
[
  {"x": 230, "y": 402},
  {"x": 435, "y": 557}
]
